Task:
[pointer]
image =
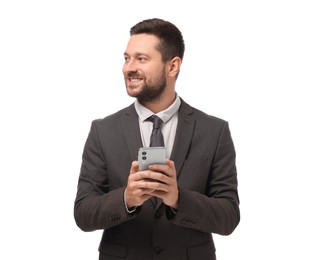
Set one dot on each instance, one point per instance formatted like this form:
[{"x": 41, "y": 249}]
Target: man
[{"x": 170, "y": 210}]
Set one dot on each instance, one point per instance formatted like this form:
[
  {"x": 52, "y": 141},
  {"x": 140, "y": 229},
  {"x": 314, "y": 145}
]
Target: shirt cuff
[{"x": 128, "y": 210}]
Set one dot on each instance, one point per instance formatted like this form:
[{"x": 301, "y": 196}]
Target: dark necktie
[{"x": 156, "y": 137}]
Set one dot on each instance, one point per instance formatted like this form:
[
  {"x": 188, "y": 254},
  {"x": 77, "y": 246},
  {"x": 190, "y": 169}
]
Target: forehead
[{"x": 142, "y": 43}]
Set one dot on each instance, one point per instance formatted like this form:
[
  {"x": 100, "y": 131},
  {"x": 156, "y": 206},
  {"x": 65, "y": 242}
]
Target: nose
[{"x": 130, "y": 66}]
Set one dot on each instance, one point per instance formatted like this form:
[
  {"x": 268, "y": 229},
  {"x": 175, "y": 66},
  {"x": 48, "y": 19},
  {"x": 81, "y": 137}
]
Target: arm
[
  {"x": 216, "y": 211},
  {"x": 96, "y": 207}
]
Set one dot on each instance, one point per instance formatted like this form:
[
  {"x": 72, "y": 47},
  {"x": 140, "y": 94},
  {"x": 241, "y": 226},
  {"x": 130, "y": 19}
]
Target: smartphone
[{"x": 151, "y": 155}]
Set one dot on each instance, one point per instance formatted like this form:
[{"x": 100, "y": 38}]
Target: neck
[{"x": 160, "y": 103}]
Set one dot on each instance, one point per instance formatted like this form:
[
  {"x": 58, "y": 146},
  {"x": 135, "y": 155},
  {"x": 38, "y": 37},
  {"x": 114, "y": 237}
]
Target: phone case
[{"x": 151, "y": 155}]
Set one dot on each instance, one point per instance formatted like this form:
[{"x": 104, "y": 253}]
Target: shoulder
[
  {"x": 206, "y": 127},
  {"x": 200, "y": 115},
  {"x": 115, "y": 117}
]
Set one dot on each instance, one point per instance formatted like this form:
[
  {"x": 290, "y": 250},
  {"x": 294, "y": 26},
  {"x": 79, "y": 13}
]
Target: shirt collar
[{"x": 165, "y": 115}]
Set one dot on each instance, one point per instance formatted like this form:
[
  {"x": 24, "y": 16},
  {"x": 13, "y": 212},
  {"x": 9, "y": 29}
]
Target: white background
[{"x": 252, "y": 63}]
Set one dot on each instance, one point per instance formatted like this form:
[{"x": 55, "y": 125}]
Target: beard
[{"x": 151, "y": 90}]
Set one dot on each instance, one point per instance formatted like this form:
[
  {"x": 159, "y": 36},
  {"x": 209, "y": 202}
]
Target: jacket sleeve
[
  {"x": 96, "y": 207},
  {"x": 216, "y": 211}
]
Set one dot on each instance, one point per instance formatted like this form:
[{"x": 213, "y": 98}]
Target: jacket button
[
  {"x": 158, "y": 214},
  {"x": 157, "y": 250}
]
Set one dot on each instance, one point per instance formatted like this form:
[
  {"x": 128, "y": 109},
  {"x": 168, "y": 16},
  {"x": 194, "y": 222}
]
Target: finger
[
  {"x": 168, "y": 168},
  {"x": 170, "y": 164},
  {"x": 152, "y": 176},
  {"x": 151, "y": 186},
  {"x": 134, "y": 167}
]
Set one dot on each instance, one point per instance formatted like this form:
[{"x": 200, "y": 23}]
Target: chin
[{"x": 133, "y": 92}]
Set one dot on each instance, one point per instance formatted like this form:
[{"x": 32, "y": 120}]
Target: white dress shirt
[{"x": 169, "y": 117}]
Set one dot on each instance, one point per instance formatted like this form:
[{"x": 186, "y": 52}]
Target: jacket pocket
[
  {"x": 113, "y": 249},
  {"x": 202, "y": 252}
]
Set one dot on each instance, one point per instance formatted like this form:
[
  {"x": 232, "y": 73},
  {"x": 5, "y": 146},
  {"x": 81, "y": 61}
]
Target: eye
[
  {"x": 126, "y": 59},
  {"x": 142, "y": 59}
]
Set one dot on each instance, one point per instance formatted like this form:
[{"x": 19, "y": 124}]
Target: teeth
[{"x": 135, "y": 80}]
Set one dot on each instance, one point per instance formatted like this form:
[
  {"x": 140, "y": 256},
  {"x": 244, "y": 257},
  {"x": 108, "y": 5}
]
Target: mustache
[{"x": 133, "y": 74}]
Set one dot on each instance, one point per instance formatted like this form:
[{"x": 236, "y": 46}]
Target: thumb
[
  {"x": 170, "y": 163},
  {"x": 134, "y": 167}
]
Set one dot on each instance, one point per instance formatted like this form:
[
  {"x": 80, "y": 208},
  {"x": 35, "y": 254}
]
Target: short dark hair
[{"x": 171, "y": 39}]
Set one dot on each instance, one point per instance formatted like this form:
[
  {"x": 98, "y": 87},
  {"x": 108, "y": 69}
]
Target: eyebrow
[{"x": 137, "y": 54}]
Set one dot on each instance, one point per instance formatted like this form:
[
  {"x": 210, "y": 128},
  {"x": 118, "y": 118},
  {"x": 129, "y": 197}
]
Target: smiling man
[{"x": 168, "y": 211}]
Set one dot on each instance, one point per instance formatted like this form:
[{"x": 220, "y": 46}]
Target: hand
[
  {"x": 159, "y": 180},
  {"x": 165, "y": 185},
  {"x": 136, "y": 192}
]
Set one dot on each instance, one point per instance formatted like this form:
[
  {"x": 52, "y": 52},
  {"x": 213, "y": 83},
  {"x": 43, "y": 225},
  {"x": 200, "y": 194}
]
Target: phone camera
[
  {"x": 144, "y": 153},
  {"x": 144, "y": 158}
]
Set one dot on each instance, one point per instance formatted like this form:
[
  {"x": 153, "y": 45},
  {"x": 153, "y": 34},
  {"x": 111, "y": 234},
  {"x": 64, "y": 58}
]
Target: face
[{"x": 144, "y": 71}]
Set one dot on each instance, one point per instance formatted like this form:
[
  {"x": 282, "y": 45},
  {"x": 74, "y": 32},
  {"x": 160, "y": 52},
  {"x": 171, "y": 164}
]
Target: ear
[{"x": 174, "y": 66}]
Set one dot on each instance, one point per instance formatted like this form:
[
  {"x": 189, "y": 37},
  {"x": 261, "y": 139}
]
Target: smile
[{"x": 134, "y": 79}]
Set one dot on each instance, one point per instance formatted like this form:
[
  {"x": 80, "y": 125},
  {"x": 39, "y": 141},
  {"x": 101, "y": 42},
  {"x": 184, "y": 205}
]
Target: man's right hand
[{"x": 135, "y": 192}]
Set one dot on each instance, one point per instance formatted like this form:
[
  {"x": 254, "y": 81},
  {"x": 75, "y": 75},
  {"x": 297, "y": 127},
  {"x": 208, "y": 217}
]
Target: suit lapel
[
  {"x": 131, "y": 131},
  {"x": 184, "y": 134}
]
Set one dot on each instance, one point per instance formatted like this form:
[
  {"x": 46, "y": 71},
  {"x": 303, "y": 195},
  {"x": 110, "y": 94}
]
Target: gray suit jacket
[{"x": 204, "y": 157}]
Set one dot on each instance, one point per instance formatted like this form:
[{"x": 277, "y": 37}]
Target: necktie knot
[{"x": 157, "y": 122}]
